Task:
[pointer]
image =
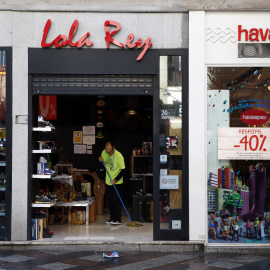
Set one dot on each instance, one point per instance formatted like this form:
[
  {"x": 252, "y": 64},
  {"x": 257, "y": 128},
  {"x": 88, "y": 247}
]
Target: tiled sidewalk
[{"x": 60, "y": 260}]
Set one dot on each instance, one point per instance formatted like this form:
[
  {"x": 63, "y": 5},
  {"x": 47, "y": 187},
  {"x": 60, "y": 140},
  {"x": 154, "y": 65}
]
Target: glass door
[{"x": 172, "y": 200}]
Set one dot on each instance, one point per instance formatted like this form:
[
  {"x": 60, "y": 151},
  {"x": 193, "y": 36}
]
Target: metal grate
[
  {"x": 42, "y": 82},
  {"x": 250, "y": 50}
]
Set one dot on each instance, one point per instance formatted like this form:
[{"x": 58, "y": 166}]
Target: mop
[{"x": 132, "y": 223}]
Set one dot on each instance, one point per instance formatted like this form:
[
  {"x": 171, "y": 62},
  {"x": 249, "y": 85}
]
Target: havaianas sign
[{"x": 62, "y": 40}]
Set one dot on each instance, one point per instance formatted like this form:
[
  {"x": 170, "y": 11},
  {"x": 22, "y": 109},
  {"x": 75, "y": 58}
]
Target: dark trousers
[{"x": 113, "y": 202}]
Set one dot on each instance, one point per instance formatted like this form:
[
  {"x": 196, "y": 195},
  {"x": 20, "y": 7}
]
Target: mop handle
[{"x": 117, "y": 192}]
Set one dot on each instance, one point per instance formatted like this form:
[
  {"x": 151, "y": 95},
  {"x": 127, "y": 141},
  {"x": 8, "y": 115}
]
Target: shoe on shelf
[
  {"x": 48, "y": 124},
  {"x": 40, "y": 214},
  {"x": 42, "y": 199},
  {"x": 109, "y": 221},
  {"x": 116, "y": 223},
  {"x": 48, "y": 171},
  {"x": 47, "y": 146},
  {"x": 41, "y": 118},
  {"x": 42, "y": 160}
]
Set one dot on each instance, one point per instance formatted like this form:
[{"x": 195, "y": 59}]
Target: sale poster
[{"x": 243, "y": 143}]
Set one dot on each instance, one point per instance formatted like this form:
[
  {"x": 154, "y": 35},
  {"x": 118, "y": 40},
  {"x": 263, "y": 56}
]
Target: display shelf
[
  {"x": 64, "y": 178},
  {"x": 74, "y": 203},
  {"x": 42, "y": 176},
  {"x": 44, "y": 204},
  {"x": 44, "y": 151},
  {"x": 142, "y": 174},
  {"x": 142, "y": 166},
  {"x": 44, "y": 129}
]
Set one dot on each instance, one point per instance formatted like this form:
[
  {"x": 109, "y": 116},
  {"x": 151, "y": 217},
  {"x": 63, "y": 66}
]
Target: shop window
[
  {"x": 2, "y": 145},
  {"x": 238, "y": 154},
  {"x": 170, "y": 204}
]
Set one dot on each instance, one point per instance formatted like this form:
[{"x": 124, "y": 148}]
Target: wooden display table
[{"x": 85, "y": 204}]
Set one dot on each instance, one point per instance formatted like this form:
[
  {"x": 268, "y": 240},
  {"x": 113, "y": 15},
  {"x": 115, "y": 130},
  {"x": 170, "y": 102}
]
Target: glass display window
[{"x": 238, "y": 154}]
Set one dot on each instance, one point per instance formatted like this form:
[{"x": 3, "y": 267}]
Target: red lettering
[
  {"x": 265, "y": 35},
  {"x": 109, "y": 35},
  {"x": 72, "y": 33},
  {"x": 254, "y": 32},
  {"x": 146, "y": 47},
  {"x": 129, "y": 40},
  {"x": 139, "y": 44},
  {"x": 61, "y": 40},
  {"x": 84, "y": 40},
  {"x": 240, "y": 31},
  {"x": 45, "y": 33}
]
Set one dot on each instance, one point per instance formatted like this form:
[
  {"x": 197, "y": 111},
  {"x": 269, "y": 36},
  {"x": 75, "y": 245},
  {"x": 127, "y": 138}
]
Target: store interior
[
  {"x": 238, "y": 190},
  {"x": 74, "y": 186}
]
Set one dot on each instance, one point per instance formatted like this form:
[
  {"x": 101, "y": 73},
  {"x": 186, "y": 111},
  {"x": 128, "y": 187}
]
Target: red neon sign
[{"x": 62, "y": 40}]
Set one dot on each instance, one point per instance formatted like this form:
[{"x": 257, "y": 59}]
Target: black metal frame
[
  {"x": 169, "y": 234},
  {"x": 121, "y": 62},
  {"x": 8, "y": 194}
]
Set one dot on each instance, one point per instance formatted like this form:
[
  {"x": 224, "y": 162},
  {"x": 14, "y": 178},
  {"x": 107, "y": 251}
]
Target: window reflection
[{"x": 170, "y": 142}]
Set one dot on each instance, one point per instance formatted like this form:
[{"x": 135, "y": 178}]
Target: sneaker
[
  {"x": 42, "y": 160},
  {"x": 116, "y": 223},
  {"x": 41, "y": 118},
  {"x": 48, "y": 124},
  {"x": 47, "y": 146},
  {"x": 109, "y": 221},
  {"x": 48, "y": 171},
  {"x": 42, "y": 199}
]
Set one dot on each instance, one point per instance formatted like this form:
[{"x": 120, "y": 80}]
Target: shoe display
[
  {"x": 47, "y": 146},
  {"x": 47, "y": 231},
  {"x": 40, "y": 214},
  {"x": 48, "y": 171},
  {"x": 47, "y": 235},
  {"x": 42, "y": 199},
  {"x": 41, "y": 118},
  {"x": 48, "y": 124},
  {"x": 109, "y": 221},
  {"x": 52, "y": 197},
  {"x": 42, "y": 160},
  {"x": 116, "y": 223}
]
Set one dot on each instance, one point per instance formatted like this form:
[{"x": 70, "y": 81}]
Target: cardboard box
[
  {"x": 40, "y": 228},
  {"x": 41, "y": 167},
  {"x": 34, "y": 229}
]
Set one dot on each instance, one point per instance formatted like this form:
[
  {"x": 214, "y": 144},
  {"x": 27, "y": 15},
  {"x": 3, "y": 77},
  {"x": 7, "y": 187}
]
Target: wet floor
[{"x": 58, "y": 260}]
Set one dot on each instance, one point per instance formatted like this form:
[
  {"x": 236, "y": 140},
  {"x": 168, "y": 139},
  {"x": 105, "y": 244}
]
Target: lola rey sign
[
  {"x": 62, "y": 40},
  {"x": 244, "y": 143}
]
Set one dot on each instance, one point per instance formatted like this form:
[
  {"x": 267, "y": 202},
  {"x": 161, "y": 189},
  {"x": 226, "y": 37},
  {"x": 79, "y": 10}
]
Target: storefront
[
  {"x": 133, "y": 92},
  {"x": 232, "y": 65}
]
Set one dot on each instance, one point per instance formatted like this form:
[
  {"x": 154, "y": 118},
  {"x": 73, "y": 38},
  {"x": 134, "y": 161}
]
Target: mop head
[{"x": 133, "y": 224}]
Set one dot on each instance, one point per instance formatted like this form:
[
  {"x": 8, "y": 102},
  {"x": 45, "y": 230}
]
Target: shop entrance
[
  {"x": 126, "y": 120},
  {"x": 160, "y": 80}
]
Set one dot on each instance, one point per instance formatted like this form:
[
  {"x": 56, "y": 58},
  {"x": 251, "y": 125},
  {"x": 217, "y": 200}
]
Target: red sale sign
[
  {"x": 47, "y": 105},
  {"x": 244, "y": 143}
]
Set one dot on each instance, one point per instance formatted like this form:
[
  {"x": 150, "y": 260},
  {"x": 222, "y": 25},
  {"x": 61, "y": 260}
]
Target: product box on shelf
[
  {"x": 34, "y": 229},
  {"x": 41, "y": 167}
]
